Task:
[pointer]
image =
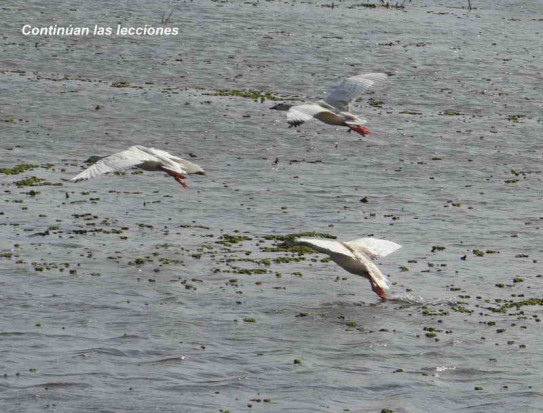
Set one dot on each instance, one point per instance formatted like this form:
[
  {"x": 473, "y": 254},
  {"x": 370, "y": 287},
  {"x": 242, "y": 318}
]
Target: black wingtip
[{"x": 295, "y": 123}]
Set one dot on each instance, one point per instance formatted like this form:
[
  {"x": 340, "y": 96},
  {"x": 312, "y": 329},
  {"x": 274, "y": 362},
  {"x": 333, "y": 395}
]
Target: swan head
[
  {"x": 191, "y": 167},
  {"x": 281, "y": 106},
  {"x": 94, "y": 159}
]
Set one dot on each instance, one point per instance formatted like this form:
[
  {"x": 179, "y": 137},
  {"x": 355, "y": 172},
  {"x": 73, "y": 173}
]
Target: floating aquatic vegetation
[
  {"x": 120, "y": 84},
  {"x": 249, "y": 271},
  {"x": 252, "y": 94},
  {"x": 516, "y": 305},
  {"x": 515, "y": 118},
  {"x": 451, "y": 113},
  {"x": 410, "y": 112},
  {"x": 283, "y": 260},
  {"x": 32, "y": 181},
  {"x": 17, "y": 169},
  {"x": 376, "y": 103},
  {"x": 228, "y": 240}
]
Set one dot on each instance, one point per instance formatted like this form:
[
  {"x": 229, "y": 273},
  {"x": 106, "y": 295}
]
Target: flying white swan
[
  {"x": 356, "y": 257},
  {"x": 148, "y": 159},
  {"x": 335, "y": 109}
]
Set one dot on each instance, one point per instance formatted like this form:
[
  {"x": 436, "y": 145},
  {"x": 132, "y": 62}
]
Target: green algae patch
[
  {"x": 376, "y": 103},
  {"x": 32, "y": 181},
  {"x": 250, "y": 271},
  {"x": 120, "y": 84},
  {"x": 284, "y": 260},
  {"x": 410, "y": 112},
  {"x": 462, "y": 310},
  {"x": 451, "y": 113},
  {"x": 367, "y": 5},
  {"x": 17, "y": 169},
  {"x": 515, "y": 118},
  {"x": 251, "y": 94},
  {"x": 516, "y": 305},
  {"x": 229, "y": 240},
  {"x": 35, "y": 181}
]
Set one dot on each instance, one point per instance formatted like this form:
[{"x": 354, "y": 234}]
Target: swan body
[
  {"x": 148, "y": 159},
  {"x": 335, "y": 109},
  {"x": 357, "y": 257}
]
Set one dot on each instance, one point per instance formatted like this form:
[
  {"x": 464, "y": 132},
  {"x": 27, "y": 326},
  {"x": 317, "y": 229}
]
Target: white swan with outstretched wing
[
  {"x": 357, "y": 257},
  {"x": 148, "y": 159},
  {"x": 336, "y": 107}
]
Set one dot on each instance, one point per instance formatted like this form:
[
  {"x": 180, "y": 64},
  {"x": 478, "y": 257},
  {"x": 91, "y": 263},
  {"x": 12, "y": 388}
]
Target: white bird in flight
[
  {"x": 357, "y": 257},
  {"x": 335, "y": 109},
  {"x": 148, "y": 159}
]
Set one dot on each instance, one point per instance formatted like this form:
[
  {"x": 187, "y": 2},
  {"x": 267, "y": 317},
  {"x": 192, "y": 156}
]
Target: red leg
[
  {"x": 362, "y": 130},
  {"x": 177, "y": 176},
  {"x": 180, "y": 179}
]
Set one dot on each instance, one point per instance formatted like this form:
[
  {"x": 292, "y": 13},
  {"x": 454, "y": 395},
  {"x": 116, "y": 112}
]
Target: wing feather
[
  {"x": 351, "y": 88},
  {"x": 119, "y": 161},
  {"x": 373, "y": 247},
  {"x": 299, "y": 114},
  {"x": 326, "y": 246}
]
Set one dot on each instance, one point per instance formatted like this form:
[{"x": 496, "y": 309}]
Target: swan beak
[
  {"x": 362, "y": 130},
  {"x": 378, "y": 290},
  {"x": 200, "y": 173}
]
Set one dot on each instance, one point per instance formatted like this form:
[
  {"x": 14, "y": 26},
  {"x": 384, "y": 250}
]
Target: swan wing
[
  {"x": 373, "y": 247},
  {"x": 326, "y": 246},
  {"x": 351, "y": 88},
  {"x": 119, "y": 161},
  {"x": 299, "y": 114}
]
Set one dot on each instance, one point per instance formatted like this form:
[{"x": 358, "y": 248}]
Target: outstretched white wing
[
  {"x": 373, "y": 247},
  {"x": 301, "y": 113},
  {"x": 326, "y": 246},
  {"x": 133, "y": 156},
  {"x": 351, "y": 88}
]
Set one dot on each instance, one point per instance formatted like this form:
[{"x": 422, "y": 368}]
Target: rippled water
[{"x": 85, "y": 326}]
